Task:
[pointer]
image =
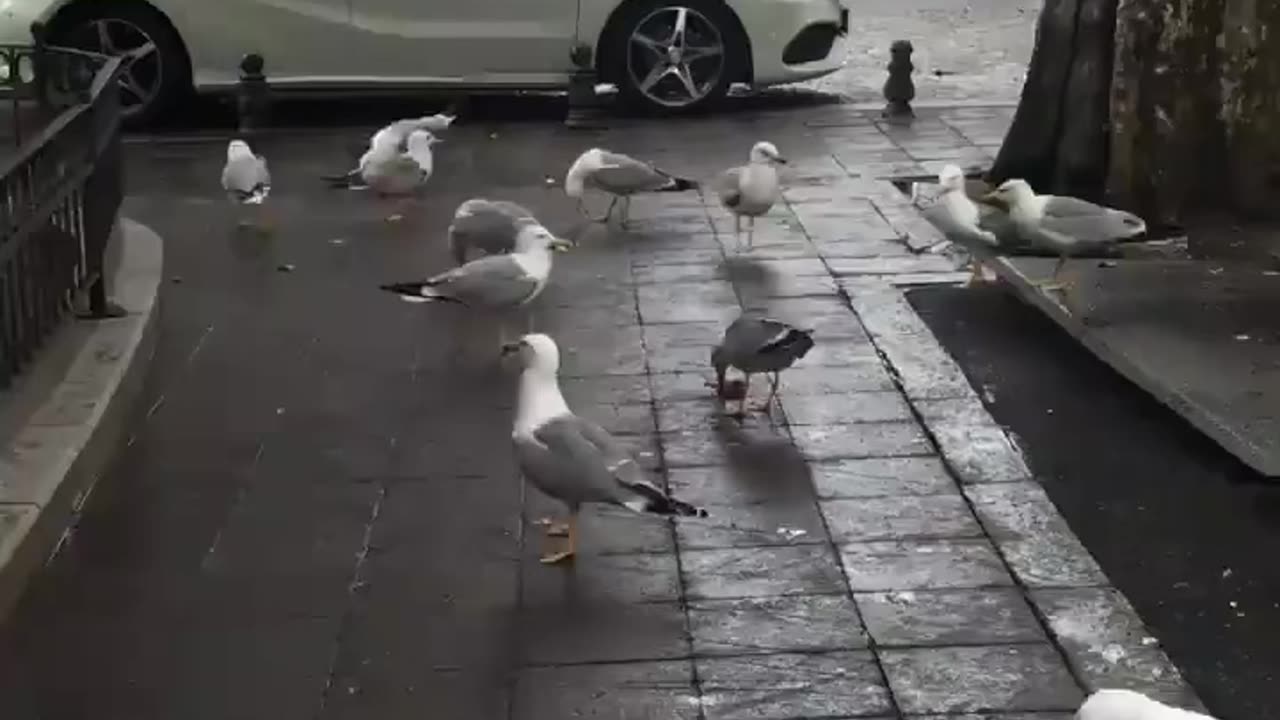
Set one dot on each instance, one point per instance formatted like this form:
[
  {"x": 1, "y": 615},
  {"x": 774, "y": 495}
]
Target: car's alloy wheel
[
  {"x": 676, "y": 57},
  {"x": 142, "y": 68}
]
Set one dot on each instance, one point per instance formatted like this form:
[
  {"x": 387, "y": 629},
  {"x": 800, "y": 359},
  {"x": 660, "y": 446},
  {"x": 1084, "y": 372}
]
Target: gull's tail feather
[
  {"x": 796, "y": 343},
  {"x": 679, "y": 184},
  {"x": 349, "y": 179},
  {"x": 652, "y": 500},
  {"x": 418, "y": 291}
]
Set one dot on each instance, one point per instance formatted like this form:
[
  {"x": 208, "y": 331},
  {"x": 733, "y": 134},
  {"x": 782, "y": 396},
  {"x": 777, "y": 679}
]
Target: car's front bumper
[{"x": 776, "y": 28}]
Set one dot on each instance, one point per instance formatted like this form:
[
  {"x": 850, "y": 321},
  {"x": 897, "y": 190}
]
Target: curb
[
  {"x": 52, "y": 463},
  {"x": 1102, "y": 637}
]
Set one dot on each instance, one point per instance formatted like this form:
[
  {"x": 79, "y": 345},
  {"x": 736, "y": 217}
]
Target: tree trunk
[{"x": 1163, "y": 105}]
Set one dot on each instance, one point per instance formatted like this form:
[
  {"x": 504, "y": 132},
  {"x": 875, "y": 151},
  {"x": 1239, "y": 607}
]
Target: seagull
[
  {"x": 570, "y": 458},
  {"x": 1063, "y": 224},
  {"x": 620, "y": 176},
  {"x": 391, "y": 172},
  {"x": 1130, "y": 705},
  {"x": 244, "y": 176},
  {"x": 757, "y": 344},
  {"x": 392, "y": 138},
  {"x": 960, "y": 219},
  {"x": 490, "y": 225},
  {"x": 494, "y": 283},
  {"x": 751, "y": 190}
]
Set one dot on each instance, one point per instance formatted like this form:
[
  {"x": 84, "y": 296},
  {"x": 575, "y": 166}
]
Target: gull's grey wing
[
  {"x": 624, "y": 175},
  {"x": 491, "y": 225},
  {"x": 998, "y": 223},
  {"x": 970, "y": 236},
  {"x": 1090, "y": 223},
  {"x": 762, "y": 344},
  {"x": 494, "y": 281},
  {"x": 576, "y": 461},
  {"x": 728, "y": 187}
]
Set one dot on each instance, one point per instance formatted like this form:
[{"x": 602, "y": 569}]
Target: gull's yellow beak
[{"x": 560, "y": 245}]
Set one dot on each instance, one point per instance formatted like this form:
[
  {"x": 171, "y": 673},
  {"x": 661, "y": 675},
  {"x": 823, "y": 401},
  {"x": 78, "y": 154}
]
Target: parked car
[{"x": 665, "y": 56}]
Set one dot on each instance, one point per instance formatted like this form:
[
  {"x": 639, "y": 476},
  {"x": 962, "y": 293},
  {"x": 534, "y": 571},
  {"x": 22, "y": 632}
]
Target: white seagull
[
  {"x": 390, "y": 172},
  {"x": 245, "y": 178},
  {"x": 751, "y": 190},
  {"x": 571, "y": 458},
  {"x": 392, "y": 138},
  {"x": 620, "y": 176},
  {"x": 1130, "y": 705}
]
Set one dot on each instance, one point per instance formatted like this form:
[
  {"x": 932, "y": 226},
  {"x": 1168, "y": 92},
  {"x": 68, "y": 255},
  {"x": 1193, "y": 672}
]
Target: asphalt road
[{"x": 1186, "y": 532}]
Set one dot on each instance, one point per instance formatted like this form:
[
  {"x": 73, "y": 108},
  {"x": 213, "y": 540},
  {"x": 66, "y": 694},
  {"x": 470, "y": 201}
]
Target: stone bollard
[
  {"x": 899, "y": 89},
  {"x": 584, "y": 106},
  {"x": 253, "y": 97}
]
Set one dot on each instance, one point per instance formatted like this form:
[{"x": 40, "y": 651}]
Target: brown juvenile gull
[
  {"x": 620, "y": 176},
  {"x": 571, "y": 458},
  {"x": 1063, "y": 224},
  {"x": 757, "y": 344},
  {"x": 488, "y": 225},
  {"x": 751, "y": 190}
]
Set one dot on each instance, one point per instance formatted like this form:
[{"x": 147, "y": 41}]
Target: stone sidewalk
[{"x": 320, "y": 517}]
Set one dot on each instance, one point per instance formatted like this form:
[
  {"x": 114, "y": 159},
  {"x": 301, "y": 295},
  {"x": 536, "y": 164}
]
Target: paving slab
[
  {"x": 796, "y": 623},
  {"x": 980, "y": 678},
  {"x": 776, "y": 687},
  {"x": 1201, "y": 337}
]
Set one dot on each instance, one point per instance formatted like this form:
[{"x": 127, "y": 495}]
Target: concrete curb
[
  {"x": 1098, "y": 631},
  {"x": 52, "y": 463}
]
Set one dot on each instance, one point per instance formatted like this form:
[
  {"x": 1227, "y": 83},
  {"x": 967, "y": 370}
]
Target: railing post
[{"x": 253, "y": 97}]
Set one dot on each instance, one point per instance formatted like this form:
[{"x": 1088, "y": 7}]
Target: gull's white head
[
  {"x": 587, "y": 163},
  {"x": 533, "y": 237},
  {"x": 538, "y": 353},
  {"x": 1015, "y": 193},
  {"x": 238, "y": 149},
  {"x": 951, "y": 178},
  {"x": 766, "y": 152}
]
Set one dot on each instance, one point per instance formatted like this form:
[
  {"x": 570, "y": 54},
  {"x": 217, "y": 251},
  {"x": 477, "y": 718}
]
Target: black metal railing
[{"x": 59, "y": 194}]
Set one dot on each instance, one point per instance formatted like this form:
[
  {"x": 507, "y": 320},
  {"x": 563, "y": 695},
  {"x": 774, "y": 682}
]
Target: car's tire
[
  {"x": 641, "y": 43},
  {"x": 152, "y": 82}
]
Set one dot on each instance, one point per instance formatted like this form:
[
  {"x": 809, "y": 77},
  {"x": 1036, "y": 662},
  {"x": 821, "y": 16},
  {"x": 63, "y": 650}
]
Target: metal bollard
[
  {"x": 899, "y": 89},
  {"x": 584, "y": 106},
  {"x": 253, "y": 96}
]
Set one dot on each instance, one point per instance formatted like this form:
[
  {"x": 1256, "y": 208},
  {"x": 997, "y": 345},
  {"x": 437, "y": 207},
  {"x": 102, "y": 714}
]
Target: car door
[{"x": 481, "y": 42}]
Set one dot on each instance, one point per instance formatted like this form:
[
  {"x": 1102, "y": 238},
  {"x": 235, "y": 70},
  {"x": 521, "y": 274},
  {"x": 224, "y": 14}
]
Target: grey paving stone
[
  {"x": 615, "y": 350},
  {"x": 681, "y": 347},
  {"x": 842, "y": 192},
  {"x": 624, "y": 691},
  {"x": 556, "y": 320},
  {"x": 653, "y": 274},
  {"x": 687, "y": 302},
  {"x": 682, "y": 387},
  {"x": 979, "y": 453},
  {"x": 836, "y": 351},
  {"x": 757, "y": 572},
  {"x": 846, "y": 408},
  {"x": 600, "y": 580},
  {"x": 1109, "y": 645},
  {"x": 782, "y": 687},
  {"x": 969, "y": 679},
  {"x": 1033, "y": 537},
  {"x": 706, "y": 414},
  {"x": 762, "y": 475},
  {"x": 620, "y": 419},
  {"x": 861, "y": 248},
  {"x": 891, "y": 265},
  {"x": 871, "y": 477},
  {"x": 865, "y": 374},
  {"x": 787, "y": 286},
  {"x": 800, "y": 623},
  {"x": 916, "y": 618},
  {"x": 671, "y": 222},
  {"x": 617, "y": 390},
  {"x": 564, "y": 635},
  {"x": 923, "y": 565},
  {"x": 966, "y": 411},
  {"x": 883, "y": 309},
  {"x": 797, "y": 522},
  {"x": 678, "y": 256},
  {"x": 794, "y": 267},
  {"x": 700, "y": 448},
  {"x": 900, "y": 518},
  {"x": 386, "y": 687},
  {"x": 923, "y": 367},
  {"x": 830, "y": 442}
]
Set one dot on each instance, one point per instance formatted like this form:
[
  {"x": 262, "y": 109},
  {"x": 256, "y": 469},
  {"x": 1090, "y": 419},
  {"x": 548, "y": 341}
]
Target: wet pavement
[
  {"x": 319, "y": 516},
  {"x": 1187, "y": 532}
]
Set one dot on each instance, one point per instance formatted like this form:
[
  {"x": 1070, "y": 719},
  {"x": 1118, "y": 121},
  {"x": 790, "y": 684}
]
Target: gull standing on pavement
[
  {"x": 620, "y": 176},
  {"x": 751, "y": 190},
  {"x": 392, "y": 138},
  {"x": 488, "y": 225},
  {"x": 571, "y": 458},
  {"x": 496, "y": 284},
  {"x": 960, "y": 219},
  {"x": 245, "y": 177},
  {"x": 757, "y": 344},
  {"x": 390, "y": 172},
  {"x": 1063, "y": 224}
]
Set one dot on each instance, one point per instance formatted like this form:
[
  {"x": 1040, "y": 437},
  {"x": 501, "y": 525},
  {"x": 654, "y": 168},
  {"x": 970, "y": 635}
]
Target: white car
[{"x": 663, "y": 55}]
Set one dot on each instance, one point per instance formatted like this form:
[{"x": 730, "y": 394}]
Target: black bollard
[
  {"x": 253, "y": 97},
  {"x": 584, "y": 106},
  {"x": 899, "y": 89}
]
